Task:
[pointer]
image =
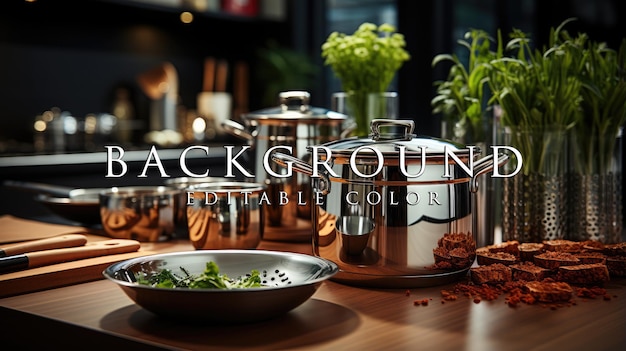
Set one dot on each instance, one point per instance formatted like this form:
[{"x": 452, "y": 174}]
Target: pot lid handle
[
  {"x": 294, "y": 100},
  {"x": 376, "y": 124}
]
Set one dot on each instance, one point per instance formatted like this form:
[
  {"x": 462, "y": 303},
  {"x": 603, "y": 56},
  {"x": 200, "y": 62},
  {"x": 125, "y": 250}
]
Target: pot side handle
[
  {"x": 298, "y": 165},
  {"x": 322, "y": 183},
  {"x": 484, "y": 165},
  {"x": 238, "y": 130}
]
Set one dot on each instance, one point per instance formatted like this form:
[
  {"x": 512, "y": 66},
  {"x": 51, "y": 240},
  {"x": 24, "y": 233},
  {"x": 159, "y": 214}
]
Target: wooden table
[{"x": 337, "y": 317}]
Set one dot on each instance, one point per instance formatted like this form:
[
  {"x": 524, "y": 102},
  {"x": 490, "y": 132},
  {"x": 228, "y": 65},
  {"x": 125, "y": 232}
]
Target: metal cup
[
  {"x": 355, "y": 233},
  {"x": 225, "y": 215}
]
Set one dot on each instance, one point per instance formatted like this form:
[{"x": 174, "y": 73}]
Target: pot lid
[
  {"x": 294, "y": 106},
  {"x": 400, "y": 134}
]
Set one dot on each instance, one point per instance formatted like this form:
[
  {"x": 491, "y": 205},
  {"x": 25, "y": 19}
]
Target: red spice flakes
[
  {"x": 448, "y": 295},
  {"x": 407, "y": 293},
  {"x": 591, "y": 292},
  {"x": 422, "y": 302}
]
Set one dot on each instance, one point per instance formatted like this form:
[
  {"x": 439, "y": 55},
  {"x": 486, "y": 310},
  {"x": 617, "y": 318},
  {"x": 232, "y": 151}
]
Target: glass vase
[
  {"x": 596, "y": 187},
  {"x": 535, "y": 200},
  {"x": 363, "y": 107},
  {"x": 483, "y": 134}
]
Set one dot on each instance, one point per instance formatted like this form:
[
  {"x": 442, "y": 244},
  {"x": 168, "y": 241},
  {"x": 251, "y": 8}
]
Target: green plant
[
  {"x": 461, "y": 97},
  {"x": 603, "y": 78},
  {"x": 365, "y": 62},
  {"x": 539, "y": 92},
  {"x": 282, "y": 69}
]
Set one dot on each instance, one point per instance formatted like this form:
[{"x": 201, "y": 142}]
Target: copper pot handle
[{"x": 484, "y": 165}]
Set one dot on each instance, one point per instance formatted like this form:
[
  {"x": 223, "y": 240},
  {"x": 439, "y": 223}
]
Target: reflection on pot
[
  {"x": 140, "y": 213},
  {"x": 225, "y": 215}
]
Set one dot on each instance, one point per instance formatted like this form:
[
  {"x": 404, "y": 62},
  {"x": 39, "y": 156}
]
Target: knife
[
  {"x": 55, "y": 242},
  {"x": 47, "y": 257}
]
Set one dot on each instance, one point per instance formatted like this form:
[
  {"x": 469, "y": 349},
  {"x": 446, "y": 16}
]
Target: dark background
[{"x": 74, "y": 54}]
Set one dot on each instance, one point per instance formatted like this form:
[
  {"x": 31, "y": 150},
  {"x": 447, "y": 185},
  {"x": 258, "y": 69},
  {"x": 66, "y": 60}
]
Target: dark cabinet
[{"x": 75, "y": 54}]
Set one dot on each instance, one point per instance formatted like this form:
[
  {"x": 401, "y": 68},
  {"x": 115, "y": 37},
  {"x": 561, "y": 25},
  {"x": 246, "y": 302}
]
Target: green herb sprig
[
  {"x": 461, "y": 97},
  {"x": 539, "y": 93},
  {"x": 211, "y": 278},
  {"x": 603, "y": 78}
]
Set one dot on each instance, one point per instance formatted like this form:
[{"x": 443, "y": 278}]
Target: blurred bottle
[{"x": 124, "y": 111}]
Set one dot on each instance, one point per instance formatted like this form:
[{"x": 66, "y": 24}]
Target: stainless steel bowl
[
  {"x": 292, "y": 279},
  {"x": 144, "y": 213}
]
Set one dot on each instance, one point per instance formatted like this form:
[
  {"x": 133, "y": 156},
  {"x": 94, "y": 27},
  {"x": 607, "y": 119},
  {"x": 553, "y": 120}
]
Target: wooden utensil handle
[
  {"x": 55, "y": 242},
  {"x": 98, "y": 248}
]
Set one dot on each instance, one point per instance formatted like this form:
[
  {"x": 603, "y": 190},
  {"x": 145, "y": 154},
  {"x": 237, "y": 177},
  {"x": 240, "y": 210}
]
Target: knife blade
[
  {"x": 55, "y": 242},
  {"x": 48, "y": 257}
]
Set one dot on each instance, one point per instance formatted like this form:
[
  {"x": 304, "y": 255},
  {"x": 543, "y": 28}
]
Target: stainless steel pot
[
  {"x": 182, "y": 183},
  {"x": 296, "y": 125},
  {"x": 225, "y": 215},
  {"x": 394, "y": 229}
]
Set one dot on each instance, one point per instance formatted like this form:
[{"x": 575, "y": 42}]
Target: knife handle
[
  {"x": 94, "y": 249},
  {"x": 55, "y": 242}
]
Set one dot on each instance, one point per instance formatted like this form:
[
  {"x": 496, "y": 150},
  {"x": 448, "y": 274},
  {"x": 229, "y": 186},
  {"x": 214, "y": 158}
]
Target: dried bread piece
[
  {"x": 509, "y": 246},
  {"x": 528, "y": 271},
  {"x": 562, "y": 245},
  {"x": 491, "y": 274},
  {"x": 461, "y": 258},
  {"x": 588, "y": 257},
  {"x": 584, "y": 274},
  {"x": 451, "y": 241},
  {"x": 616, "y": 266},
  {"x": 555, "y": 259},
  {"x": 547, "y": 291},
  {"x": 486, "y": 258},
  {"x": 618, "y": 249},
  {"x": 592, "y": 246},
  {"x": 455, "y": 258},
  {"x": 442, "y": 259},
  {"x": 527, "y": 251}
]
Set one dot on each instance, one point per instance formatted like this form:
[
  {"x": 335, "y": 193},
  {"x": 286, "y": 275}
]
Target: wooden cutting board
[
  {"x": 62, "y": 274},
  {"x": 59, "y": 275},
  {"x": 15, "y": 229}
]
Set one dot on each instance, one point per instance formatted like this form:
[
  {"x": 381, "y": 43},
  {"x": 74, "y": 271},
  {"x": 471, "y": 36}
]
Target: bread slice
[
  {"x": 546, "y": 291},
  {"x": 555, "y": 259},
  {"x": 527, "y": 251},
  {"x": 618, "y": 249},
  {"x": 491, "y": 274},
  {"x": 592, "y": 245},
  {"x": 488, "y": 257},
  {"x": 460, "y": 258},
  {"x": 588, "y": 257},
  {"x": 562, "y": 245},
  {"x": 451, "y": 241},
  {"x": 528, "y": 271},
  {"x": 584, "y": 274},
  {"x": 509, "y": 246},
  {"x": 616, "y": 266}
]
